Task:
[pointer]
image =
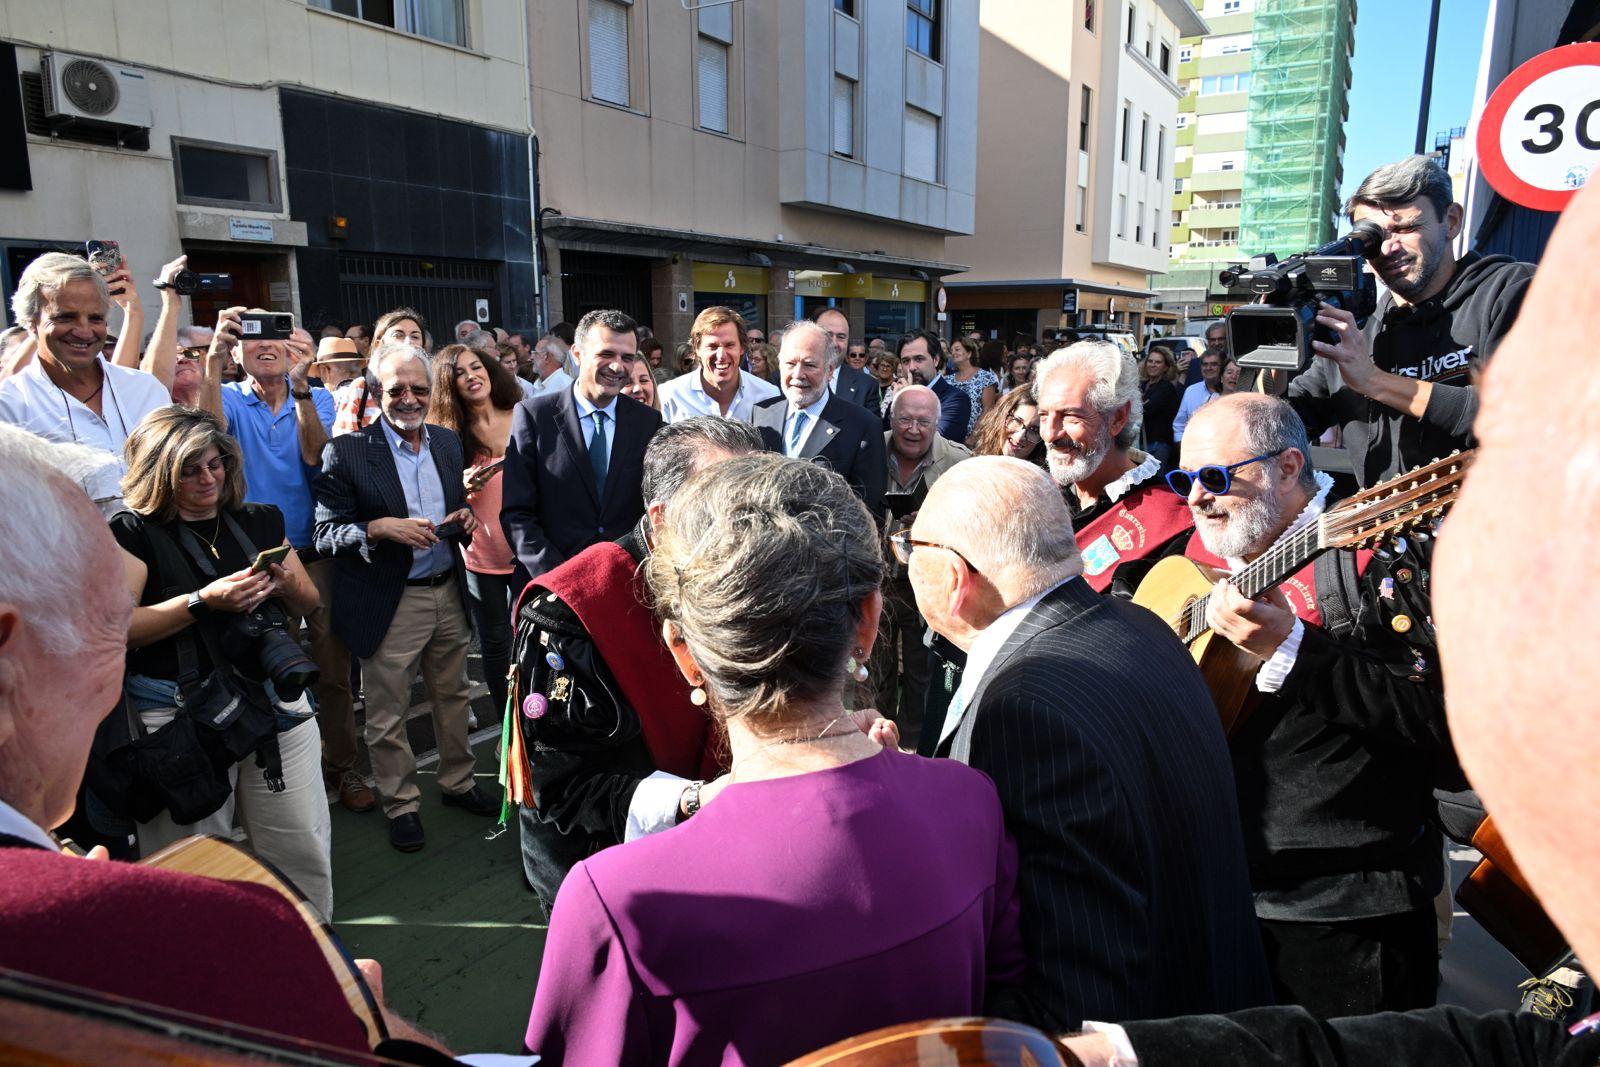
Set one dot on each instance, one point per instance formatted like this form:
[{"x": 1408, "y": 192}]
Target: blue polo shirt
[{"x": 273, "y": 470}]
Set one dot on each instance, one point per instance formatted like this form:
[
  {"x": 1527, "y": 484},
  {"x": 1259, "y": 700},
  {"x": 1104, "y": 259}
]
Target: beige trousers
[{"x": 429, "y": 632}]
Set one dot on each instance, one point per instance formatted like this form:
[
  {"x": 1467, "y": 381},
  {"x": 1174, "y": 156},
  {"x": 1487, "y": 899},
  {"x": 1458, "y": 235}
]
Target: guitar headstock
[{"x": 1410, "y": 501}]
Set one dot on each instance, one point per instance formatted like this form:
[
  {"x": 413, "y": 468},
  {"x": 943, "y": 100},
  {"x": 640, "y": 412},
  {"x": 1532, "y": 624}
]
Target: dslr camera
[
  {"x": 262, "y": 637},
  {"x": 1276, "y": 333}
]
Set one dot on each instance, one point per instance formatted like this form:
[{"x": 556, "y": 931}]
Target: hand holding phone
[{"x": 267, "y": 557}]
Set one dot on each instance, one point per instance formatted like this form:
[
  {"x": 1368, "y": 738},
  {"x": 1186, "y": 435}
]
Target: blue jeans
[{"x": 490, "y": 596}]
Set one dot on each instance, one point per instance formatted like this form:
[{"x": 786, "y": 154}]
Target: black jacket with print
[{"x": 1437, "y": 341}]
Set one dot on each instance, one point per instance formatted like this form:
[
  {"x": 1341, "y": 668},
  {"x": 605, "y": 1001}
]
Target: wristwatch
[
  {"x": 197, "y": 605},
  {"x": 690, "y": 801},
  {"x": 300, "y": 396}
]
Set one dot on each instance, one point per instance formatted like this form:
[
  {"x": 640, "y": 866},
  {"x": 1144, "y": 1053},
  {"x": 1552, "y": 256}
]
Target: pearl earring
[
  {"x": 697, "y": 696},
  {"x": 858, "y": 670}
]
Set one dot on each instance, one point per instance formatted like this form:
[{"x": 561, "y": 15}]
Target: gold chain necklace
[{"x": 211, "y": 542}]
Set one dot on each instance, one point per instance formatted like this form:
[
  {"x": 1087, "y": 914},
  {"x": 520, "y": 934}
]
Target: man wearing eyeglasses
[
  {"x": 918, "y": 456},
  {"x": 391, "y": 509},
  {"x": 1337, "y": 758},
  {"x": 1089, "y": 419}
]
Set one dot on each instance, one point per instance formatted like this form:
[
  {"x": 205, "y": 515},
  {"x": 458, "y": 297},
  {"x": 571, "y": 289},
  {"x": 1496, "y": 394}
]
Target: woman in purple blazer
[{"x": 833, "y": 886}]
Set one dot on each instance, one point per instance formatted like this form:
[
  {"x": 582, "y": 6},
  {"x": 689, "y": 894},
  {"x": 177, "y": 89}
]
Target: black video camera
[
  {"x": 187, "y": 283},
  {"x": 1276, "y": 333}
]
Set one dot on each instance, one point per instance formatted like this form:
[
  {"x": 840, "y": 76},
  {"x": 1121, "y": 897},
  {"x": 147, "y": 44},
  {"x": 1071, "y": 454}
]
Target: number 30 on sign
[{"x": 1539, "y": 137}]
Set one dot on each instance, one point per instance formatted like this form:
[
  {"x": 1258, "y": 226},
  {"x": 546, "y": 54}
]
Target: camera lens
[{"x": 285, "y": 662}]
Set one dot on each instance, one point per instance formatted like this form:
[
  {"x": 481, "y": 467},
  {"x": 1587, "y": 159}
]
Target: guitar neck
[{"x": 1265, "y": 571}]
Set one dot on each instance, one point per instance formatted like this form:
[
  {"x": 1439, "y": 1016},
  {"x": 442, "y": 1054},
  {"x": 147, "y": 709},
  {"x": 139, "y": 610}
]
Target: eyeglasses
[
  {"x": 1214, "y": 479},
  {"x": 902, "y": 543},
  {"x": 194, "y": 351},
  {"x": 1013, "y": 424},
  {"x": 419, "y": 391},
  {"x": 216, "y": 468},
  {"x": 905, "y": 422}
]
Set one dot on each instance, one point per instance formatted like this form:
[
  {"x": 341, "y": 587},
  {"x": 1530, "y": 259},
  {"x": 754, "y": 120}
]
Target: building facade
[
  {"x": 774, "y": 157},
  {"x": 1072, "y": 215},
  {"x": 1260, "y": 141},
  {"x": 334, "y": 157}
]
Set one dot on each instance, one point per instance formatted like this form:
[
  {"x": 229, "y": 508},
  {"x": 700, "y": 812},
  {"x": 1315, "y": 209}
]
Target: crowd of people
[{"x": 824, "y": 666}]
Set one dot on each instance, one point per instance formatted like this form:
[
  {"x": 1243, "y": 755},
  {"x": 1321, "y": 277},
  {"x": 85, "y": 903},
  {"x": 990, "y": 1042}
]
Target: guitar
[
  {"x": 1179, "y": 589},
  {"x": 950, "y": 1042},
  {"x": 214, "y": 857},
  {"x": 1505, "y": 905}
]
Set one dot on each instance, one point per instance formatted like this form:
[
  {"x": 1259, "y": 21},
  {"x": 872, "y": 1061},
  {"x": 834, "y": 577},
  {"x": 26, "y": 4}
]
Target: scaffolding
[{"x": 1299, "y": 92}]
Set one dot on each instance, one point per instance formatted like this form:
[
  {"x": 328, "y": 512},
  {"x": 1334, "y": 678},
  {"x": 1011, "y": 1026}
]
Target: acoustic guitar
[
  {"x": 1179, "y": 589},
  {"x": 215, "y": 857},
  {"x": 1500, "y": 898},
  {"x": 947, "y": 1042}
]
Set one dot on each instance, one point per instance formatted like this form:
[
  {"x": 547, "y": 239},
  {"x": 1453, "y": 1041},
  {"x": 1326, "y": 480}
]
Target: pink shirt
[{"x": 489, "y": 552}]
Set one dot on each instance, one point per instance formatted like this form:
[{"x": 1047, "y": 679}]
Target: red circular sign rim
[{"x": 1490, "y": 160}]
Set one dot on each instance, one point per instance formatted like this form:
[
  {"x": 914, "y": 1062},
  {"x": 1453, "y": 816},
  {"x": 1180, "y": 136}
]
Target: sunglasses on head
[{"x": 1216, "y": 480}]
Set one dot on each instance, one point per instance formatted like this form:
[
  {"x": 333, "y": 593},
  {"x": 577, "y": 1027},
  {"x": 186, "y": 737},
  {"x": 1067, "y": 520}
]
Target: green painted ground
[{"x": 457, "y": 932}]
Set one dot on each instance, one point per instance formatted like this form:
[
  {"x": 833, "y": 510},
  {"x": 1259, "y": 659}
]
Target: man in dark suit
[
  {"x": 576, "y": 457},
  {"x": 390, "y": 508},
  {"x": 1102, "y": 740},
  {"x": 921, "y": 357},
  {"x": 809, "y": 422},
  {"x": 848, "y": 382}
]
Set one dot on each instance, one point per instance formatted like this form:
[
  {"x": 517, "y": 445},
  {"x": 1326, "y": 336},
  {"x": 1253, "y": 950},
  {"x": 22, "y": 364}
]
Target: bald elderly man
[{"x": 1102, "y": 740}]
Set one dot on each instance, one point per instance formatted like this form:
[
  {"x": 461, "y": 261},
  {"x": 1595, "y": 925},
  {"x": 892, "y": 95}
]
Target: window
[
  {"x": 1212, "y": 84},
  {"x": 921, "y": 145},
  {"x": 711, "y": 77},
  {"x": 848, "y": 7},
  {"x": 1155, "y": 228},
  {"x": 1144, "y": 143},
  {"x": 1227, "y": 164},
  {"x": 1185, "y": 53},
  {"x": 1087, "y": 108},
  {"x": 844, "y": 116},
  {"x": 1088, "y": 15},
  {"x": 1149, "y": 38},
  {"x": 1177, "y": 185},
  {"x": 1161, "y": 149},
  {"x": 1183, "y": 120},
  {"x": 1166, "y": 59},
  {"x": 608, "y": 51},
  {"x": 922, "y": 27},
  {"x": 1236, "y": 47},
  {"x": 1230, "y": 237},
  {"x": 221, "y": 175},
  {"x": 1138, "y": 224},
  {"x": 1133, "y": 16},
  {"x": 441, "y": 20},
  {"x": 1231, "y": 7},
  {"x": 1082, "y": 223},
  {"x": 1127, "y": 120},
  {"x": 1122, "y": 214}
]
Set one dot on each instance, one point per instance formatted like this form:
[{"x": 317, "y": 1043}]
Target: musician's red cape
[
  {"x": 1137, "y": 525},
  {"x": 1300, "y": 588},
  {"x": 605, "y": 588}
]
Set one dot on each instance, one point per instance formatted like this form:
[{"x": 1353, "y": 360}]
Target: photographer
[
  {"x": 209, "y": 628},
  {"x": 1401, "y": 389}
]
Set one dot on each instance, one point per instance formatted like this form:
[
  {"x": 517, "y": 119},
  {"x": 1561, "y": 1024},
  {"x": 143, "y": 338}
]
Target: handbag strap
[{"x": 171, "y": 562}]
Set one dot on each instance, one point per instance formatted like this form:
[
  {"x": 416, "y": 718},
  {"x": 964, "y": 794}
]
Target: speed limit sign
[{"x": 1539, "y": 137}]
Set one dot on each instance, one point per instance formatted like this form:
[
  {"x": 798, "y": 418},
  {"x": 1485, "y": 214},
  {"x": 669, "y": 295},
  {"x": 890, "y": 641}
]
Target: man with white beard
[
  {"x": 1337, "y": 757},
  {"x": 1089, "y": 419}
]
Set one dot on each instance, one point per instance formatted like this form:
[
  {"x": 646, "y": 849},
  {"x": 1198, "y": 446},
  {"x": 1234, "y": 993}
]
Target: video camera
[{"x": 1276, "y": 334}]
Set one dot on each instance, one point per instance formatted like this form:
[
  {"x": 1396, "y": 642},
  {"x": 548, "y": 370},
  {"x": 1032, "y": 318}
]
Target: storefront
[
  {"x": 815, "y": 290},
  {"x": 895, "y": 306},
  {"x": 744, "y": 289}
]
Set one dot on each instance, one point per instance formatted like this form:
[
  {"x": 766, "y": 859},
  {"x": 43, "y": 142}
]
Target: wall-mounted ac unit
[{"x": 80, "y": 89}]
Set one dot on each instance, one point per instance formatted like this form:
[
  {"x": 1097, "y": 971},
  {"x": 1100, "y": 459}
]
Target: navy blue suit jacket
[
  {"x": 845, "y": 438},
  {"x": 955, "y": 410},
  {"x": 550, "y": 506}
]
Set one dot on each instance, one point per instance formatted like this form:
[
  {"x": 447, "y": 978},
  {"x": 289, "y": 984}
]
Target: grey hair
[
  {"x": 1008, "y": 519},
  {"x": 610, "y": 318},
  {"x": 762, "y": 567},
  {"x": 479, "y": 338},
  {"x": 1270, "y": 425},
  {"x": 1402, "y": 181},
  {"x": 910, "y": 390},
  {"x": 9, "y": 336},
  {"x": 47, "y": 546},
  {"x": 391, "y": 350},
  {"x": 675, "y": 451},
  {"x": 45, "y": 277},
  {"x": 188, "y": 336},
  {"x": 1116, "y": 380},
  {"x": 804, "y": 328}
]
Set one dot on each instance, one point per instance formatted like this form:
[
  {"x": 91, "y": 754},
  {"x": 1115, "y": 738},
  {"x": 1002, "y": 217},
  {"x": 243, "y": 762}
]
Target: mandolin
[
  {"x": 1179, "y": 589},
  {"x": 949, "y": 1042},
  {"x": 1498, "y": 895}
]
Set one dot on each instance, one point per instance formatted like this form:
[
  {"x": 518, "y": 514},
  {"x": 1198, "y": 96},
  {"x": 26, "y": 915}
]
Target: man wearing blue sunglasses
[{"x": 1337, "y": 759}]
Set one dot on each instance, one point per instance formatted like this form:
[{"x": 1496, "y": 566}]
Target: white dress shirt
[
  {"x": 15, "y": 824},
  {"x": 424, "y": 493},
  {"x": 813, "y": 416},
  {"x": 1195, "y": 397},
  {"x": 985, "y": 647},
  {"x": 556, "y": 381},
  {"x": 685, "y": 396}
]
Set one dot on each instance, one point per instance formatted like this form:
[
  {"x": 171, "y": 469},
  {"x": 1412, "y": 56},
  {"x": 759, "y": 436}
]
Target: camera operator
[
  {"x": 1401, "y": 388},
  {"x": 208, "y": 629}
]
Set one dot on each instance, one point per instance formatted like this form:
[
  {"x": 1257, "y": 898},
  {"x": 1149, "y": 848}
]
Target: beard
[
  {"x": 1415, "y": 281},
  {"x": 1248, "y": 527},
  {"x": 1071, "y": 463}
]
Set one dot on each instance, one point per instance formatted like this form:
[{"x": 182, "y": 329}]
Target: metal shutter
[
  {"x": 608, "y": 51},
  {"x": 921, "y": 145},
  {"x": 711, "y": 68},
  {"x": 844, "y": 115}
]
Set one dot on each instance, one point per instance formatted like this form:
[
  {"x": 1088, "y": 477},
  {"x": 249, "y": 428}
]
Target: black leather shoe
[
  {"x": 475, "y": 800},
  {"x": 405, "y": 832}
]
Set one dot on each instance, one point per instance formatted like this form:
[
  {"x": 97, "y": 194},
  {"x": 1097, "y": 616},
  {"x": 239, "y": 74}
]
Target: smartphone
[
  {"x": 447, "y": 531},
  {"x": 266, "y": 326},
  {"x": 267, "y": 557},
  {"x": 103, "y": 256}
]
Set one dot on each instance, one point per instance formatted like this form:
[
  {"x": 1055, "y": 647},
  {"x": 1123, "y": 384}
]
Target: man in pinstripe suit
[{"x": 1103, "y": 741}]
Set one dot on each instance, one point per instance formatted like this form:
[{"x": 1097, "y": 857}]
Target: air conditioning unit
[{"x": 83, "y": 90}]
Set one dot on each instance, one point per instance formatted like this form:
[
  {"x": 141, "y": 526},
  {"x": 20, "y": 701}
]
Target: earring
[
  {"x": 857, "y": 669},
  {"x": 697, "y": 696}
]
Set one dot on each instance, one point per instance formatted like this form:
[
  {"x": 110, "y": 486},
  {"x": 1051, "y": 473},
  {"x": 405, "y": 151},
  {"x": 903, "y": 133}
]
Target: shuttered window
[
  {"x": 844, "y": 116},
  {"x": 608, "y": 51},
  {"x": 922, "y": 145},
  {"x": 711, "y": 73}
]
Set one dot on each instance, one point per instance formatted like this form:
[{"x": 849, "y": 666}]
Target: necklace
[
  {"x": 216, "y": 531},
  {"x": 828, "y": 732}
]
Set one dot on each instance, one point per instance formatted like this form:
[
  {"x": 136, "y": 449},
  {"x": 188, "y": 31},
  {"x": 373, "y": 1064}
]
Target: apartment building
[
  {"x": 1260, "y": 141},
  {"x": 775, "y": 157},
  {"x": 335, "y": 157},
  {"x": 1078, "y": 117}
]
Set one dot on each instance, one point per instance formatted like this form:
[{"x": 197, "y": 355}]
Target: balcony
[{"x": 1204, "y": 217}]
